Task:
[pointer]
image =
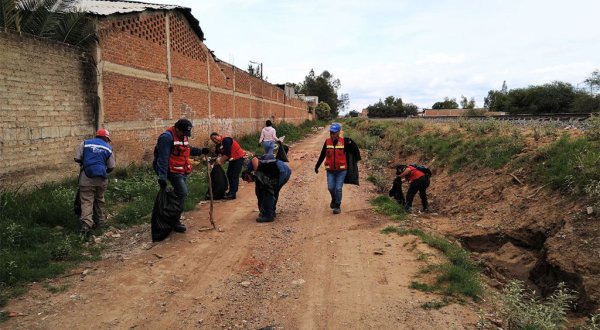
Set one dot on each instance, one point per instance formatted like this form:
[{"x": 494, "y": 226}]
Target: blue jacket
[{"x": 95, "y": 155}]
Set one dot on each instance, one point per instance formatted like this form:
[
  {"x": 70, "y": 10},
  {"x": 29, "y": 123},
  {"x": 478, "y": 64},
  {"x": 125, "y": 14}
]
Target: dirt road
[{"x": 309, "y": 269}]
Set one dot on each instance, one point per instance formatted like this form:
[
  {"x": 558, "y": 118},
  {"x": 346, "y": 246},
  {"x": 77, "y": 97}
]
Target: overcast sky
[{"x": 421, "y": 51}]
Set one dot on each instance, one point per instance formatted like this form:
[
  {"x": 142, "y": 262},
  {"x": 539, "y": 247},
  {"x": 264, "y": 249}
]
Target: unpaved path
[{"x": 309, "y": 269}]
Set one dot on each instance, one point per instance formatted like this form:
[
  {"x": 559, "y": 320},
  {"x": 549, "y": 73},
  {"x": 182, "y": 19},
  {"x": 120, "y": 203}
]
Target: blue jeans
[
  {"x": 179, "y": 186},
  {"x": 269, "y": 146},
  {"x": 335, "y": 182}
]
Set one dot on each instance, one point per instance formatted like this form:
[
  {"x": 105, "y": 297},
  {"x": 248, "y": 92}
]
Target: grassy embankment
[
  {"x": 39, "y": 233},
  {"x": 568, "y": 164}
]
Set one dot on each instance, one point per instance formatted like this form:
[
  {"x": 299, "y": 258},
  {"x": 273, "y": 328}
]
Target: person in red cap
[
  {"x": 172, "y": 160},
  {"x": 96, "y": 159}
]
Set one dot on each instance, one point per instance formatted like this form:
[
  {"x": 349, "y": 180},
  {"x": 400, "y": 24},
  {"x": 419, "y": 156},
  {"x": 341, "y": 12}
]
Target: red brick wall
[{"x": 140, "y": 99}]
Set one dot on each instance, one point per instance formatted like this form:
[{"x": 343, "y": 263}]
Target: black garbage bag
[
  {"x": 352, "y": 172},
  {"x": 282, "y": 152},
  {"x": 219, "y": 183},
  {"x": 77, "y": 204},
  {"x": 165, "y": 214}
]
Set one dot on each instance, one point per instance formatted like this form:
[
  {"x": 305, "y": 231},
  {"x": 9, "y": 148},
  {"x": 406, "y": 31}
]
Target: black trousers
[
  {"x": 233, "y": 174},
  {"x": 420, "y": 186}
]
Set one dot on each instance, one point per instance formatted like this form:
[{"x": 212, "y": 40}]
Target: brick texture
[
  {"x": 46, "y": 108},
  {"x": 152, "y": 70}
]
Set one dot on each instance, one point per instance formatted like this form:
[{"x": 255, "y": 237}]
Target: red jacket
[
  {"x": 414, "y": 174},
  {"x": 179, "y": 159},
  {"x": 335, "y": 159}
]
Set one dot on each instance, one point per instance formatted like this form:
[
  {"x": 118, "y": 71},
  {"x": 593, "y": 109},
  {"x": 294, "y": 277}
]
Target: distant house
[
  {"x": 312, "y": 101},
  {"x": 364, "y": 113}
]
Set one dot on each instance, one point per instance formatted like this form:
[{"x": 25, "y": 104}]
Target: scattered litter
[
  {"x": 590, "y": 210},
  {"x": 378, "y": 252},
  {"x": 298, "y": 282},
  {"x": 245, "y": 284}
]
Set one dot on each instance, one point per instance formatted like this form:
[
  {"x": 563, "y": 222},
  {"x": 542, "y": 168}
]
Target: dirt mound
[{"x": 517, "y": 229}]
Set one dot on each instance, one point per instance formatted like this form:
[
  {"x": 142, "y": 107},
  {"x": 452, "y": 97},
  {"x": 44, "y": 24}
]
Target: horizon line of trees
[
  {"x": 555, "y": 97},
  {"x": 391, "y": 107}
]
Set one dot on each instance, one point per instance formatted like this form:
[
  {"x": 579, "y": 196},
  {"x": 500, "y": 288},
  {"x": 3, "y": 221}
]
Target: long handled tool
[{"x": 210, "y": 193}]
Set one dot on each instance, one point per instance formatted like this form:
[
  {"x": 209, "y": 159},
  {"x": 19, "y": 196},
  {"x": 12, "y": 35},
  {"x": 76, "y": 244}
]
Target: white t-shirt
[{"x": 268, "y": 134}]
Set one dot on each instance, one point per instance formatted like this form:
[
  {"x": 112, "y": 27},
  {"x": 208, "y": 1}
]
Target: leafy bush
[
  {"x": 522, "y": 310},
  {"x": 593, "y": 131}
]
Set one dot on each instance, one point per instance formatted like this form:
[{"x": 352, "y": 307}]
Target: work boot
[
  {"x": 264, "y": 219},
  {"x": 332, "y": 204},
  {"x": 179, "y": 227},
  {"x": 229, "y": 196}
]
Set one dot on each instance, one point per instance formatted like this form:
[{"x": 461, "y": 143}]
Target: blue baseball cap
[{"x": 335, "y": 127}]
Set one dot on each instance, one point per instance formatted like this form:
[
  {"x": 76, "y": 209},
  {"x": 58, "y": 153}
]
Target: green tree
[
  {"x": 353, "y": 113},
  {"x": 52, "y": 19},
  {"x": 323, "y": 111},
  {"x": 326, "y": 87},
  {"x": 593, "y": 80},
  {"x": 390, "y": 107},
  {"x": 255, "y": 72},
  {"x": 410, "y": 109},
  {"x": 496, "y": 100},
  {"x": 448, "y": 103},
  {"x": 467, "y": 104}
]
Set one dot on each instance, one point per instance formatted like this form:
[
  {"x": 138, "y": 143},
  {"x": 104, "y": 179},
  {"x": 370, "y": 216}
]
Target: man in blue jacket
[
  {"x": 269, "y": 175},
  {"x": 96, "y": 159},
  {"x": 172, "y": 160}
]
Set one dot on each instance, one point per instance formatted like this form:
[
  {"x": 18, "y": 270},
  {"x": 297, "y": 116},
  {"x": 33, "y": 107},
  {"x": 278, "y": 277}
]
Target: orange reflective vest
[
  {"x": 179, "y": 159},
  {"x": 236, "y": 151},
  {"x": 335, "y": 159}
]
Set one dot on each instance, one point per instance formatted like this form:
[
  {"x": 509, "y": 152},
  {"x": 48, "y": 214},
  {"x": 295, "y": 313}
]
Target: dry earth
[{"x": 309, "y": 269}]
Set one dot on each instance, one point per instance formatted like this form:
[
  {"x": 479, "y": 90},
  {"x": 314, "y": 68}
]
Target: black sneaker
[
  {"x": 229, "y": 196},
  {"x": 337, "y": 210},
  {"x": 84, "y": 232},
  {"x": 180, "y": 228},
  {"x": 264, "y": 219}
]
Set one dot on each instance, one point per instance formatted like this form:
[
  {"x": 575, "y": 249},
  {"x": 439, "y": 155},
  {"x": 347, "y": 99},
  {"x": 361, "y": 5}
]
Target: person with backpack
[
  {"x": 268, "y": 138},
  {"x": 270, "y": 175},
  {"x": 172, "y": 161},
  {"x": 229, "y": 150},
  {"x": 418, "y": 178},
  {"x": 96, "y": 159},
  {"x": 335, "y": 154}
]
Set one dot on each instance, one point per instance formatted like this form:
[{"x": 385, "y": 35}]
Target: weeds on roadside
[
  {"x": 592, "y": 324},
  {"x": 389, "y": 207},
  {"x": 593, "y": 131},
  {"x": 458, "y": 276},
  {"x": 522, "y": 310}
]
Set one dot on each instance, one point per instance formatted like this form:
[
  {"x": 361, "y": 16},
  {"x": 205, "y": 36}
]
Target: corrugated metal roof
[
  {"x": 105, "y": 8},
  {"x": 109, "y": 7}
]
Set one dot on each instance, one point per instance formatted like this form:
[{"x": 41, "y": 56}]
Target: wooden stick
[
  {"x": 515, "y": 177},
  {"x": 210, "y": 193}
]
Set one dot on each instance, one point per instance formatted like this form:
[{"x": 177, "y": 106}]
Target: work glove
[
  {"x": 162, "y": 183},
  {"x": 317, "y": 170},
  {"x": 204, "y": 151}
]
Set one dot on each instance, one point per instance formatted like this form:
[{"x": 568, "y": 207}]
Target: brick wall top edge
[{"x": 12, "y": 35}]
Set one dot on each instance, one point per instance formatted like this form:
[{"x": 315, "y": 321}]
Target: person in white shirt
[{"x": 268, "y": 137}]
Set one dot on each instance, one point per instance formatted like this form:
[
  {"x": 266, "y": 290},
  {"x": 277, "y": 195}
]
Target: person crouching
[{"x": 269, "y": 175}]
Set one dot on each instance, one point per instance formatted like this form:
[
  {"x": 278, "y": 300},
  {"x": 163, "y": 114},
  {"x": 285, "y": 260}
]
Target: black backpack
[{"x": 423, "y": 169}]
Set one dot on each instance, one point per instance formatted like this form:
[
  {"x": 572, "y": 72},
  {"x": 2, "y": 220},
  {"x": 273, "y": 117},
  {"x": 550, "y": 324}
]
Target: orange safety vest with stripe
[
  {"x": 179, "y": 159},
  {"x": 236, "y": 150},
  {"x": 335, "y": 159},
  {"x": 414, "y": 174}
]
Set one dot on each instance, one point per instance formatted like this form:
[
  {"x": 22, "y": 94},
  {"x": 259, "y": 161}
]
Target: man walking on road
[
  {"x": 97, "y": 159},
  {"x": 269, "y": 175},
  {"x": 334, "y": 153},
  {"x": 230, "y": 150},
  {"x": 172, "y": 160}
]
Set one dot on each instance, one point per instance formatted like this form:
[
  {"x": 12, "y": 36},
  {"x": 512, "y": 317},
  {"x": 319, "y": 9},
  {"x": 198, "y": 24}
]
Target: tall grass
[{"x": 523, "y": 310}]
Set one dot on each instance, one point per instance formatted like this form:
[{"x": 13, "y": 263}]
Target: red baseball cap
[{"x": 103, "y": 133}]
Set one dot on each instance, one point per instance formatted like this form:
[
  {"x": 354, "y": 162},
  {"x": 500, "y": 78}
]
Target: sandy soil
[{"x": 309, "y": 269}]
